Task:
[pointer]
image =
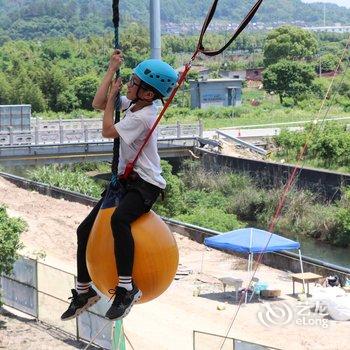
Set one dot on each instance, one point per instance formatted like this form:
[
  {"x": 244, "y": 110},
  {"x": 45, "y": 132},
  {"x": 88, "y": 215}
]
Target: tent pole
[
  {"x": 202, "y": 262},
  {"x": 302, "y": 269},
  {"x": 250, "y": 250}
]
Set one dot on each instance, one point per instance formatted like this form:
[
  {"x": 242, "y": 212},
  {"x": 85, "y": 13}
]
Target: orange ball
[{"x": 155, "y": 260}]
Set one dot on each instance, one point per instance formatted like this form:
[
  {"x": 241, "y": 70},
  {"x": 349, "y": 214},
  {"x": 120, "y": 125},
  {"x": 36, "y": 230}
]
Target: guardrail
[
  {"x": 206, "y": 340},
  {"x": 83, "y": 131},
  {"x": 29, "y": 290},
  {"x": 242, "y": 143}
]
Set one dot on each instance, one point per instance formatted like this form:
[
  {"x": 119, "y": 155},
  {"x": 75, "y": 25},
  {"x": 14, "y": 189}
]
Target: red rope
[
  {"x": 130, "y": 166},
  {"x": 287, "y": 188}
]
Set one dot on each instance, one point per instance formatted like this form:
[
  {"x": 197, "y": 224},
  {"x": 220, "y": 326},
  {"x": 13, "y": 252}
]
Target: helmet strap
[{"x": 138, "y": 98}]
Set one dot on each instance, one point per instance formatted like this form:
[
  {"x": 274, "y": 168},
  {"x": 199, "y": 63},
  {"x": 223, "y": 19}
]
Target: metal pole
[
  {"x": 155, "y": 29},
  {"x": 302, "y": 269}
]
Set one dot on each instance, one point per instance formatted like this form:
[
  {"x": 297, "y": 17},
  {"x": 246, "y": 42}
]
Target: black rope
[
  {"x": 115, "y": 159},
  {"x": 239, "y": 29}
]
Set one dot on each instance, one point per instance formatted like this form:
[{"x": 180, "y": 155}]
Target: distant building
[
  {"x": 330, "y": 29},
  {"x": 254, "y": 74},
  {"x": 237, "y": 74},
  {"x": 216, "y": 92},
  {"x": 15, "y": 117}
]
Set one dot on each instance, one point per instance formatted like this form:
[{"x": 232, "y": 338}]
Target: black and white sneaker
[
  {"x": 123, "y": 301},
  {"x": 80, "y": 303}
]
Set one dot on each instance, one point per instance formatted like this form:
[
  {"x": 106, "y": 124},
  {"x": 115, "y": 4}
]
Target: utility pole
[
  {"x": 324, "y": 14},
  {"x": 155, "y": 29}
]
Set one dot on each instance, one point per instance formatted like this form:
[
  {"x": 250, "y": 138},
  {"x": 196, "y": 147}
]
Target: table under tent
[{"x": 253, "y": 241}]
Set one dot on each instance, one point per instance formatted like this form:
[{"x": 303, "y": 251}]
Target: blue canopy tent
[{"x": 252, "y": 240}]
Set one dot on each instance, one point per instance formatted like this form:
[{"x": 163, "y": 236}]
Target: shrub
[
  {"x": 173, "y": 201},
  {"x": 10, "y": 231},
  {"x": 249, "y": 203},
  {"x": 211, "y": 218},
  {"x": 67, "y": 179}
]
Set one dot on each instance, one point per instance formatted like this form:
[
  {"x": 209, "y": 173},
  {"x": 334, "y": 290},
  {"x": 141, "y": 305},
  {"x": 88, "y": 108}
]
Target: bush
[
  {"x": 249, "y": 203},
  {"x": 173, "y": 202},
  {"x": 211, "y": 218},
  {"x": 10, "y": 231},
  {"x": 340, "y": 236},
  {"x": 67, "y": 179}
]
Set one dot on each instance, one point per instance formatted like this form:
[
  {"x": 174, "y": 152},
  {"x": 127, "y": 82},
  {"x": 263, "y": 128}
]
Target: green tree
[
  {"x": 289, "y": 79},
  {"x": 291, "y": 43},
  {"x": 85, "y": 88},
  {"x": 27, "y": 92},
  {"x": 67, "y": 101},
  {"x": 329, "y": 62},
  {"x": 53, "y": 83},
  {"x": 5, "y": 90}
]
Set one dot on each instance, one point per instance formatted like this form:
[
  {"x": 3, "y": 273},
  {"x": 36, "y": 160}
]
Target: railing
[
  {"x": 83, "y": 131},
  {"x": 205, "y": 340},
  {"x": 29, "y": 290}
]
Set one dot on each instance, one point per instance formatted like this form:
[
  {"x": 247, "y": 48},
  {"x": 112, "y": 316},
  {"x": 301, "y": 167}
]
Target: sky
[{"x": 345, "y": 3}]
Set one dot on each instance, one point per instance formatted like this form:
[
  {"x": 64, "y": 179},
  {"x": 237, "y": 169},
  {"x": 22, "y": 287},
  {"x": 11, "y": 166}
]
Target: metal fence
[
  {"x": 42, "y": 291},
  {"x": 204, "y": 340},
  {"x": 82, "y": 131}
]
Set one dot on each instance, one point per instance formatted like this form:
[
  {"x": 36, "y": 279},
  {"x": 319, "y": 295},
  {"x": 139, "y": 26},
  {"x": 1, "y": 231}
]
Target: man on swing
[{"x": 151, "y": 80}]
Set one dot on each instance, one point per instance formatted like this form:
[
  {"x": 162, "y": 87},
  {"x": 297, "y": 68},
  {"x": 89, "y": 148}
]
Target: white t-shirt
[{"x": 133, "y": 129}]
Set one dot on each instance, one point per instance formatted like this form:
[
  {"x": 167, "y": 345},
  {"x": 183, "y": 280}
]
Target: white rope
[{"x": 97, "y": 334}]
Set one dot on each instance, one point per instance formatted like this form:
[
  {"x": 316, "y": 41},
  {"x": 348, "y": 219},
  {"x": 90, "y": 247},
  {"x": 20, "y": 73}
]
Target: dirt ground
[{"x": 195, "y": 301}]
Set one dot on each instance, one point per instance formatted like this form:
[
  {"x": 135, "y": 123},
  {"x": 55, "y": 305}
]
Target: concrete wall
[
  {"x": 326, "y": 183},
  {"x": 15, "y": 117}
]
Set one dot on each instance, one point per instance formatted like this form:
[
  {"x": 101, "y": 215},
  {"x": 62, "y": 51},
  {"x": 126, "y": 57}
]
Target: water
[{"x": 322, "y": 251}]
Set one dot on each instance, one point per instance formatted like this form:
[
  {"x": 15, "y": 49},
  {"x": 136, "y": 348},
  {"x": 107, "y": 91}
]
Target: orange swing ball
[{"x": 155, "y": 261}]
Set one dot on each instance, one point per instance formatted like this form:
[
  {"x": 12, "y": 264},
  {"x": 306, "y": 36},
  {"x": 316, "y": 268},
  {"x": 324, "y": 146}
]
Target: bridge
[{"x": 81, "y": 140}]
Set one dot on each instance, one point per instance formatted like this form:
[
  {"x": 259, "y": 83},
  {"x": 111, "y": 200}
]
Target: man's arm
[
  {"x": 108, "y": 129},
  {"x": 100, "y": 99}
]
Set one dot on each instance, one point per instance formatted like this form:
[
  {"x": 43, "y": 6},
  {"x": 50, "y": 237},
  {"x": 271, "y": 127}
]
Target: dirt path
[{"x": 194, "y": 302}]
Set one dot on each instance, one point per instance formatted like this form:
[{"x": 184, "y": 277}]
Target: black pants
[{"x": 138, "y": 199}]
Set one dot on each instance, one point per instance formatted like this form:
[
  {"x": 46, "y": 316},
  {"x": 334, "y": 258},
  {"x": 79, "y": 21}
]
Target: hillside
[{"x": 28, "y": 19}]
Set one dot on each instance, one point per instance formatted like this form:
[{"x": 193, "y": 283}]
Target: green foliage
[
  {"x": 212, "y": 218},
  {"x": 85, "y": 88},
  {"x": 5, "y": 90},
  {"x": 289, "y": 79},
  {"x": 224, "y": 201},
  {"x": 41, "y": 19},
  {"x": 329, "y": 62},
  {"x": 340, "y": 236},
  {"x": 289, "y": 43},
  {"x": 173, "y": 201},
  {"x": 66, "y": 178},
  {"x": 10, "y": 231},
  {"x": 328, "y": 144},
  {"x": 249, "y": 202}
]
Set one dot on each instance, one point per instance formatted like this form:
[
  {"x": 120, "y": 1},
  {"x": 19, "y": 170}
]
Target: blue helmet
[{"x": 157, "y": 74}]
